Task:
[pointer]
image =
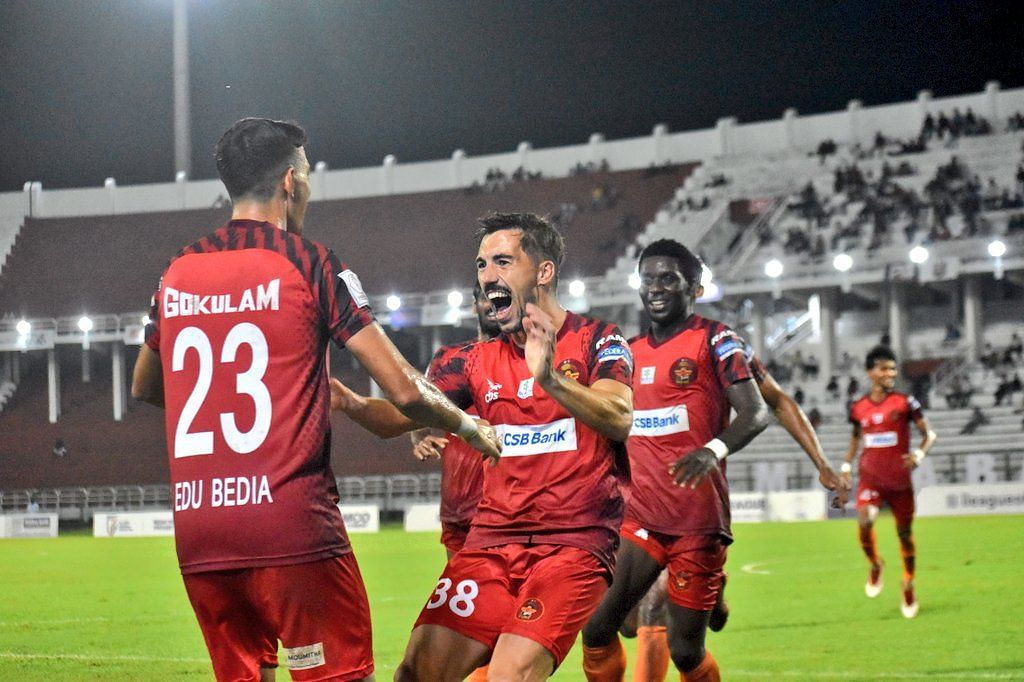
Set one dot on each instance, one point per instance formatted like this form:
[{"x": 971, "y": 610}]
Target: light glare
[{"x": 393, "y": 303}]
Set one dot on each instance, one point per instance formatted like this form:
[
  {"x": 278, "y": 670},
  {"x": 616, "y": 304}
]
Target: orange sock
[
  {"x": 907, "y": 551},
  {"x": 605, "y": 663},
  {"x": 652, "y": 655},
  {"x": 869, "y": 544},
  {"x": 478, "y": 675},
  {"x": 707, "y": 671}
]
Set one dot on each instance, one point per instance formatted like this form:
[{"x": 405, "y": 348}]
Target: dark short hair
[
  {"x": 254, "y": 153},
  {"x": 540, "y": 240},
  {"x": 878, "y": 353},
  {"x": 689, "y": 264}
]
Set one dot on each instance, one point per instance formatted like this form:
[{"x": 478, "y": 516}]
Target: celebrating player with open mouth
[
  {"x": 689, "y": 372},
  {"x": 881, "y": 423}
]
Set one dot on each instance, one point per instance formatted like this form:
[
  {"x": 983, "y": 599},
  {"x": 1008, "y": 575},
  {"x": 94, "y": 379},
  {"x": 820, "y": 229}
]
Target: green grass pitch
[{"x": 79, "y": 608}]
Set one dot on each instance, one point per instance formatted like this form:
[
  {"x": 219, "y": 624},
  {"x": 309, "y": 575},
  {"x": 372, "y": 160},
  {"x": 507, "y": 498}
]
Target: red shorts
[
  {"x": 453, "y": 535},
  {"x": 694, "y": 562},
  {"x": 900, "y": 501},
  {"x": 545, "y": 593},
  {"x": 318, "y": 610}
]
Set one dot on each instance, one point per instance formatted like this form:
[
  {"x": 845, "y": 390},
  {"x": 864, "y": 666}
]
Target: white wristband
[
  {"x": 720, "y": 449},
  {"x": 467, "y": 427},
  {"x": 918, "y": 455},
  {"x": 845, "y": 468}
]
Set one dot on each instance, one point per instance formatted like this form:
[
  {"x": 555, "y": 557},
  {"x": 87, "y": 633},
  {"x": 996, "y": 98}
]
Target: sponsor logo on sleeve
[
  {"x": 886, "y": 439},
  {"x": 663, "y": 421},
  {"x": 617, "y": 338},
  {"x": 647, "y": 375},
  {"x": 914, "y": 404},
  {"x": 728, "y": 349},
  {"x": 355, "y": 288},
  {"x": 613, "y": 353},
  {"x": 537, "y": 439},
  {"x": 684, "y": 372},
  {"x": 304, "y": 657}
]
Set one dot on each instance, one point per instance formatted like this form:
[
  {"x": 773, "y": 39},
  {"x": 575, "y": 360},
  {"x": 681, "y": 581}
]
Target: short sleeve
[
  {"x": 913, "y": 408},
  {"x": 851, "y": 415},
  {"x": 151, "y": 333},
  {"x": 609, "y": 356},
  {"x": 447, "y": 371},
  {"x": 728, "y": 353},
  {"x": 757, "y": 368},
  {"x": 344, "y": 306}
]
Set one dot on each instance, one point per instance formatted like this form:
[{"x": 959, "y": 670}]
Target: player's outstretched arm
[
  {"x": 928, "y": 438},
  {"x": 751, "y": 419},
  {"x": 419, "y": 401},
  {"x": 427, "y": 444},
  {"x": 148, "y": 377},
  {"x": 377, "y": 416},
  {"x": 795, "y": 421},
  {"x": 605, "y": 406}
]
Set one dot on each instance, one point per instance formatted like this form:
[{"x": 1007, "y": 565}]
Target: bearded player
[
  {"x": 690, "y": 372},
  {"x": 235, "y": 353},
  {"x": 881, "y": 432},
  {"x": 540, "y": 550}
]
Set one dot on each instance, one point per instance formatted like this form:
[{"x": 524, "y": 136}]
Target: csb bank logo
[{"x": 537, "y": 439}]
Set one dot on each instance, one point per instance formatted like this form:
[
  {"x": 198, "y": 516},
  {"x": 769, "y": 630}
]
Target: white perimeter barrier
[
  {"x": 789, "y": 505},
  {"x": 28, "y": 526},
  {"x": 968, "y": 500},
  {"x": 361, "y": 518},
  {"x": 423, "y": 517},
  {"x": 132, "y": 524}
]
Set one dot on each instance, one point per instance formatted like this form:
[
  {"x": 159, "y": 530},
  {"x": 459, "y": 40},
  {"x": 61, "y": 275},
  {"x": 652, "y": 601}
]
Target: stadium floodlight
[
  {"x": 85, "y": 324},
  {"x": 23, "y": 327},
  {"x": 996, "y": 248},
  {"x": 393, "y": 303},
  {"x": 577, "y": 287},
  {"x": 918, "y": 254},
  {"x": 842, "y": 262},
  {"x": 454, "y": 298},
  {"x": 145, "y": 320},
  {"x": 773, "y": 268},
  {"x": 634, "y": 280}
]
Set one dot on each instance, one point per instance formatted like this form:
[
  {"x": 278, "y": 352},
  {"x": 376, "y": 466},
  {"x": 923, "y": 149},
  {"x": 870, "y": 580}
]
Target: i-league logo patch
[
  {"x": 647, "y": 375},
  {"x": 525, "y": 388},
  {"x": 570, "y": 368},
  {"x": 531, "y": 609},
  {"x": 684, "y": 372}
]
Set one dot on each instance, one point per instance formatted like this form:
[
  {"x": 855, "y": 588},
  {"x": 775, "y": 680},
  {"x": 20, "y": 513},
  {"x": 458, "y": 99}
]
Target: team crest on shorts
[
  {"x": 684, "y": 371},
  {"x": 531, "y": 609},
  {"x": 570, "y": 368},
  {"x": 680, "y": 580}
]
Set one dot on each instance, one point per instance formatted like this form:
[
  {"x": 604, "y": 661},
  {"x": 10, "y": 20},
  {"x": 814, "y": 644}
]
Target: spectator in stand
[
  {"x": 798, "y": 396},
  {"x": 928, "y": 127},
  {"x": 960, "y": 392},
  {"x": 60, "y": 450},
  {"x": 1015, "y": 351},
  {"x": 852, "y": 388},
  {"x": 811, "y": 367},
  {"x": 833, "y": 387},
  {"x": 1007, "y": 387},
  {"x": 978, "y": 418},
  {"x": 814, "y": 416},
  {"x": 952, "y": 334},
  {"x": 845, "y": 363}
]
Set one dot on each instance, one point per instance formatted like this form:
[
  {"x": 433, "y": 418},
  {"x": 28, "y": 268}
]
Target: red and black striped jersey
[
  {"x": 556, "y": 482},
  {"x": 241, "y": 320},
  {"x": 462, "y": 467},
  {"x": 679, "y": 404}
]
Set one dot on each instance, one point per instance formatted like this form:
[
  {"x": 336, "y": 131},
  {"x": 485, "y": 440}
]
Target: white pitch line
[
  {"x": 752, "y": 568},
  {"x": 852, "y": 674},
  {"x": 101, "y": 657}
]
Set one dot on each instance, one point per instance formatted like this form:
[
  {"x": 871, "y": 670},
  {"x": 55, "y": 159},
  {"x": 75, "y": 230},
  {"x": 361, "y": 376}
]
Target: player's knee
[
  {"x": 417, "y": 668},
  {"x": 599, "y": 631},
  {"x": 686, "y": 654}
]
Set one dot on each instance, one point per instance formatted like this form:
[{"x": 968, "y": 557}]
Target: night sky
[{"x": 86, "y": 85}]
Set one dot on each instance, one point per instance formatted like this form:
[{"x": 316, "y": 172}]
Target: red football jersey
[
  {"x": 241, "y": 320},
  {"x": 556, "y": 481},
  {"x": 679, "y": 404},
  {"x": 885, "y": 428},
  {"x": 462, "y": 467}
]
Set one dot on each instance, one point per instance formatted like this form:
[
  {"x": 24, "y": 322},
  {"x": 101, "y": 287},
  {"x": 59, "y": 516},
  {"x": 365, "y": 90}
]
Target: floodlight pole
[{"x": 182, "y": 128}]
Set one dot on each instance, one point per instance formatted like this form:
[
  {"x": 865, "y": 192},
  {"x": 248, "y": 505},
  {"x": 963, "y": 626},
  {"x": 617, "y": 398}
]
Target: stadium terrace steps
[{"x": 397, "y": 243}]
